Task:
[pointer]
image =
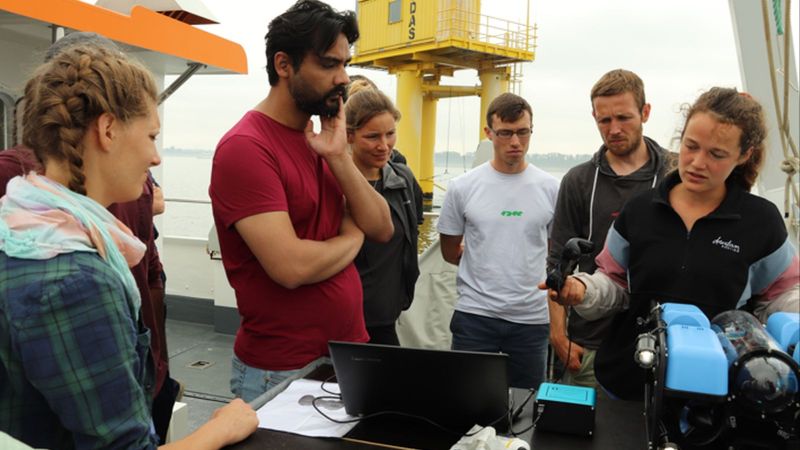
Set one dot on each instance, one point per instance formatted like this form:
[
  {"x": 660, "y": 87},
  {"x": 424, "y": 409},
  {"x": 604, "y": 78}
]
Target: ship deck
[{"x": 200, "y": 358}]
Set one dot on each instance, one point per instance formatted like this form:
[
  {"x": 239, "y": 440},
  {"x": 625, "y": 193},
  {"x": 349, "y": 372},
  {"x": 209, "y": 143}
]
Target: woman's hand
[
  {"x": 236, "y": 420},
  {"x": 571, "y": 294}
]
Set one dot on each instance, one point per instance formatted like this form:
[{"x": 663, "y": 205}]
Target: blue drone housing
[
  {"x": 717, "y": 383},
  {"x": 683, "y": 314},
  {"x": 696, "y": 363},
  {"x": 785, "y": 328},
  {"x": 796, "y": 355}
]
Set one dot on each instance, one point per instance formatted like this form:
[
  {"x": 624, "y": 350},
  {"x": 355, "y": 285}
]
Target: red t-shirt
[
  {"x": 16, "y": 161},
  {"x": 262, "y": 166}
]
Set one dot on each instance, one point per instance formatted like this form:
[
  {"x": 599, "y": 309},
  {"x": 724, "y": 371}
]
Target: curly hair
[
  {"x": 67, "y": 93},
  {"x": 727, "y": 105}
]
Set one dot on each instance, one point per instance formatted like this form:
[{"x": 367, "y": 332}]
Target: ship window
[
  {"x": 6, "y": 119},
  {"x": 3, "y": 138},
  {"x": 395, "y": 11}
]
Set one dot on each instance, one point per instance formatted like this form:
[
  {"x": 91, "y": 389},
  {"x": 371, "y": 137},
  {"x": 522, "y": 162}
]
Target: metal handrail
[
  {"x": 187, "y": 200},
  {"x": 208, "y": 202},
  {"x": 461, "y": 23}
]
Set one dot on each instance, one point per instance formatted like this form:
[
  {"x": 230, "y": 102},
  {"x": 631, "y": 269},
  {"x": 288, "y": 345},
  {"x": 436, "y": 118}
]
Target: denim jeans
[
  {"x": 249, "y": 382},
  {"x": 525, "y": 345}
]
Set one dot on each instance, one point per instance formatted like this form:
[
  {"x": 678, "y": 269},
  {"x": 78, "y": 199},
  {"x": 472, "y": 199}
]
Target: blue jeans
[
  {"x": 525, "y": 345},
  {"x": 249, "y": 382}
]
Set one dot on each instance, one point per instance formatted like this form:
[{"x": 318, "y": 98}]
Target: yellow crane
[{"x": 419, "y": 41}]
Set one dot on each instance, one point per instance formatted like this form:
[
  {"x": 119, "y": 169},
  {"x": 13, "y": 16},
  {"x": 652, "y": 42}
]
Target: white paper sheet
[{"x": 291, "y": 411}]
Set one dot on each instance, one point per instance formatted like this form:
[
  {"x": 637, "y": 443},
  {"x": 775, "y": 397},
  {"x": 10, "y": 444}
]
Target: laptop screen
[{"x": 456, "y": 389}]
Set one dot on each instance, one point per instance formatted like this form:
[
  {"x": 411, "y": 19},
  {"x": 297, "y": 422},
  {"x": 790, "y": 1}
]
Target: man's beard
[
  {"x": 632, "y": 146},
  {"x": 317, "y": 106}
]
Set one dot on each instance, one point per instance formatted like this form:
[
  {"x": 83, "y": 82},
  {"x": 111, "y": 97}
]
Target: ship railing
[
  {"x": 192, "y": 201},
  {"x": 187, "y": 207},
  {"x": 456, "y": 23},
  {"x": 187, "y": 200}
]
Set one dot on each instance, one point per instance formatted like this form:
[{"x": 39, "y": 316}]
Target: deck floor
[{"x": 200, "y": 358}]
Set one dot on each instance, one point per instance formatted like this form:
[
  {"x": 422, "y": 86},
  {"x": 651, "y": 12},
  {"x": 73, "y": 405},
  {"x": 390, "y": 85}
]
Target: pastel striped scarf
[{"x": 40, "y": 219}]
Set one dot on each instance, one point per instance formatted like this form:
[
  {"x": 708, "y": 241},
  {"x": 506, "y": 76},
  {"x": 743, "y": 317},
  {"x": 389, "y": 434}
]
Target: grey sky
[{"x": 678, "y": 47}]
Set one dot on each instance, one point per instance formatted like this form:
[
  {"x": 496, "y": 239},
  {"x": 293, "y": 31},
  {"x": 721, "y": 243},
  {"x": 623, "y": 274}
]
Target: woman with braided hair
[{"x": 74, "y": 367}]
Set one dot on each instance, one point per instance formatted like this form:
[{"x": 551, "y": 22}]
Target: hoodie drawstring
[{"x": 591, "y": 201}]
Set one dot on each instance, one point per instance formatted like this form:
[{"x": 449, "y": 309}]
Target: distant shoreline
[{"x": 555, "y": 161}]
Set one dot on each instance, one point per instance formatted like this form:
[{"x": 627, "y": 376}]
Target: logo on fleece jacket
[{"x": 726, "y": 245}]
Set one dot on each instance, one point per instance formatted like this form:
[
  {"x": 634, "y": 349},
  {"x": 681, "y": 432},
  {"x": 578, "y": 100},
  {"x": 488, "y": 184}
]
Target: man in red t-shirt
[{"x": 290, "y": 207}]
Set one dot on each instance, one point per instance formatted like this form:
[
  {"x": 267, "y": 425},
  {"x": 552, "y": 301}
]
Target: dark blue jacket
[{"x": 389, "y": 279}]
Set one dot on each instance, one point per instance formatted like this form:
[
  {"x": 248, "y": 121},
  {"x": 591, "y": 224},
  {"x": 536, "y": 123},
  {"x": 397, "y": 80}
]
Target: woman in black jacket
[
  {"x": 698, "y": 238},
  {"x": 388, "y": 270}
]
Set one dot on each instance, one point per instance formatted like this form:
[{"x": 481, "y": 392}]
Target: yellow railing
[{"x": 457, "y": 23}]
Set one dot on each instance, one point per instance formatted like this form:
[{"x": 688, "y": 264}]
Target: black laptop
[{"x": 456, "y": 389}]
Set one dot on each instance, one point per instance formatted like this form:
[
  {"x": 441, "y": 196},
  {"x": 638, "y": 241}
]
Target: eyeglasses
[{"x": 522, "y": 133}]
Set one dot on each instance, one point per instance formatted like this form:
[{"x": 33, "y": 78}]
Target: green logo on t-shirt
[{"x": 511, "y": 213}]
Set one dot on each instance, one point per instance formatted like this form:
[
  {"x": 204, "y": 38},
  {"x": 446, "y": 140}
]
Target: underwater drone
[{"x": 728, "y": 383}]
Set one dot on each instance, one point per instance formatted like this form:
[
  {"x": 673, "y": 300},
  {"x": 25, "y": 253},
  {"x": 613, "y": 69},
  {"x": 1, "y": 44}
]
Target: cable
[
  {"x": 539, "y": 411},
  {"x": 569, "y": 347},
  {"x": 331, "y": 397},
  {"x": 565, "y": 364},
  {"x": 322, "y": 386},
  {"x": 447, "y": 152},
  {"x": 518, "y": 410}
]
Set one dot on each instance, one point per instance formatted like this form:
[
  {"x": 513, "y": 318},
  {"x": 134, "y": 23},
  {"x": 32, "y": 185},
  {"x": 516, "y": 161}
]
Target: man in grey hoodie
[{"x": 591, "y": 196}]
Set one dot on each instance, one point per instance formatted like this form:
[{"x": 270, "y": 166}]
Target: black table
[{"x": 618, "y": 425}]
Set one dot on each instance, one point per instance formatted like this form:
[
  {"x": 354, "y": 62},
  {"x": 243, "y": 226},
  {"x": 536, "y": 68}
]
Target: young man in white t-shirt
[{"x": 502, "y": 211}]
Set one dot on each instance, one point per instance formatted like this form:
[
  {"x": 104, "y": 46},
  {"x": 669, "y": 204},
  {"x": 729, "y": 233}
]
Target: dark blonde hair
[
  {"x": 360, "y": 79},
  {"x": 67, "y": 93},
  {"x": 617, "y": 82},
  {"x": 365, "y": 102},
  {"x": 727, "y": 105}
]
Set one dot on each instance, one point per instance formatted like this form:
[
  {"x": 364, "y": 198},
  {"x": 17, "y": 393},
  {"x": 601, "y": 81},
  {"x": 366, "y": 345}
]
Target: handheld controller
[{"x": 573, "y": 250}]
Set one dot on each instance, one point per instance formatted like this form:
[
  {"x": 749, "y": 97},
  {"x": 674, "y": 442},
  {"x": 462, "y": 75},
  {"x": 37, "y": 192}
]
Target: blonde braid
[{"x": 73, "y": 89}]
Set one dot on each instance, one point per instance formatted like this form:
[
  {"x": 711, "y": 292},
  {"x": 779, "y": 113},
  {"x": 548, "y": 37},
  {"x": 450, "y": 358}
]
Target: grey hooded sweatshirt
[{"x": 589, "y": 199}]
